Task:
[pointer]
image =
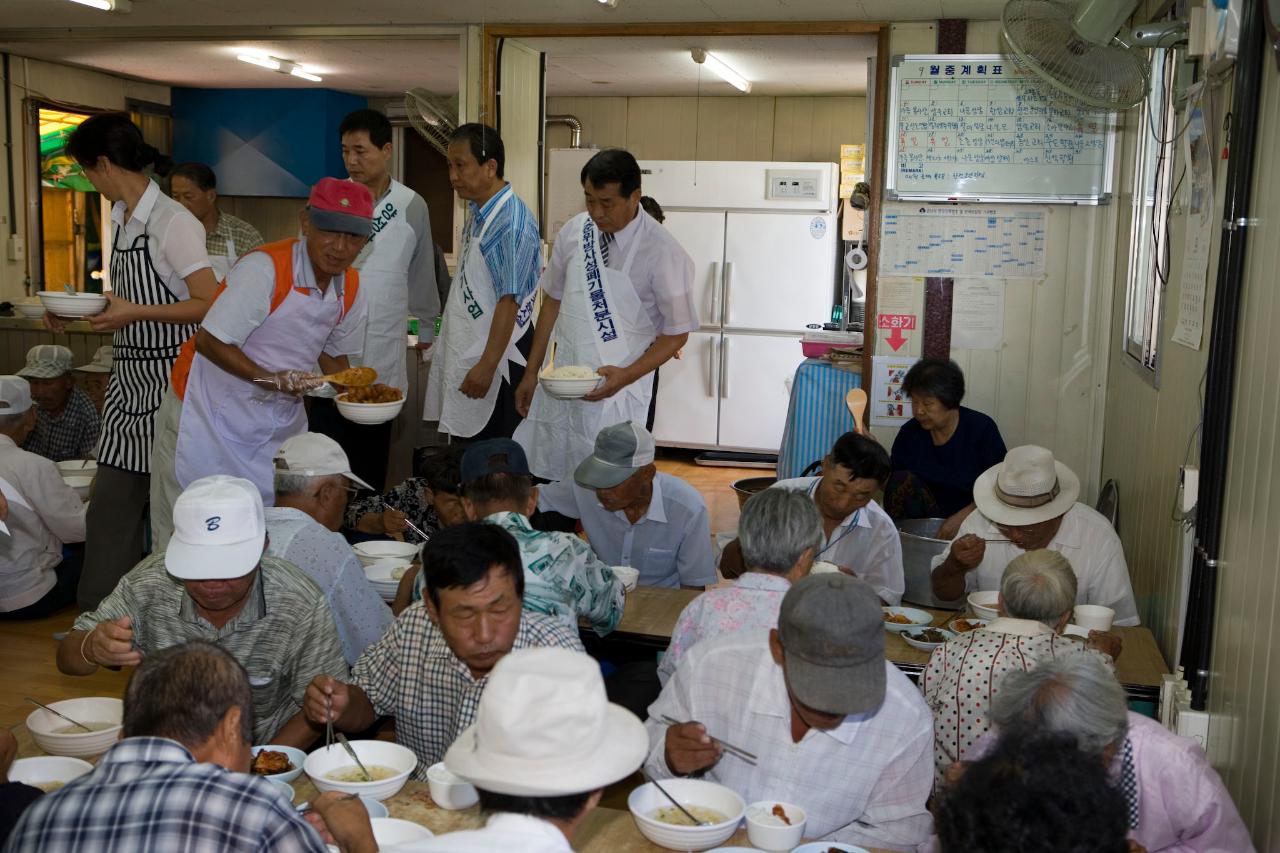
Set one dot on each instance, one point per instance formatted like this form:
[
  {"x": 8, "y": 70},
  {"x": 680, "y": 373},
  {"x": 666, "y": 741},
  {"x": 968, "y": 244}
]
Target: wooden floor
[{"x": 27, "y": 648}]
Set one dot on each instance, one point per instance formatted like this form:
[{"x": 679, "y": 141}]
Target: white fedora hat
[
  {"x": 1028, "y": 487},
  {"x": 545, "y": 728}
]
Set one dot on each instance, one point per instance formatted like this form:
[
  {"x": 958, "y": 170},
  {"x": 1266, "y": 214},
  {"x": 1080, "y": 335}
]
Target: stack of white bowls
[{"x": 385, "y": 561}]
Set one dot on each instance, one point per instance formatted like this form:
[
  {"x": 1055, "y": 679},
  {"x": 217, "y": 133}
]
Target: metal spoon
[
  {"x": 683, "y": 810},
  {"x": 69, "y": 290},
  {"x": 59, "y": 713},
  {"x": 342, "y": 739}
]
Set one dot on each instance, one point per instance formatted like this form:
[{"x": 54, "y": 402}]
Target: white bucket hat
[
  {"x": 545, "y": 728},
  {"x": 1028, "y": 487},
  {"x": 218, "y": 530}
]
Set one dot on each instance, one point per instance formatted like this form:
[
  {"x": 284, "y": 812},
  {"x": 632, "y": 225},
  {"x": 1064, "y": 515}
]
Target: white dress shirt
[
  {"x": 670, "y": 545},
  {"x": 504, "y": 833},
  {"x": 359, "y": 613},
  {"x": 33, "y": 547},
  {"x": 247, "y": 302},
  {"x": 174, "y": 236},
  {"x": 1085, "y": 538},
  {"x": 864, "y": 782},
  {"x": 661, "y": 272},
  {"x": 867, "y": 542}
]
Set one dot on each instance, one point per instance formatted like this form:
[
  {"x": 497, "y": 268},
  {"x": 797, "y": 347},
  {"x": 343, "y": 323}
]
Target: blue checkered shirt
[
  {"x": 511, "y": 247},
  {"x": 149, "y": 794}
]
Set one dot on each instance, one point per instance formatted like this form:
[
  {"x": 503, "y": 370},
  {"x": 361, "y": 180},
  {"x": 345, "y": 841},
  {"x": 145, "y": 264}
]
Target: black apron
[{"x": 144, "y": 356}]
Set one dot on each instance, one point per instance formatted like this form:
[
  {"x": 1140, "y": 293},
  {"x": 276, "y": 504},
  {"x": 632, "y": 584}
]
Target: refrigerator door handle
[
  {"x": 711, "y": 367},
  {"x": 724, "y": 373},
  {"x": 724, "y": 299},
  {"x": 713, "y": 290}
]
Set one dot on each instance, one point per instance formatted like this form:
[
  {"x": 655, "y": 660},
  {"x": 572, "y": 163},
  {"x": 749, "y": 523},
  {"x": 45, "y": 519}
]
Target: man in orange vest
[{"x": 237, "y": 386}]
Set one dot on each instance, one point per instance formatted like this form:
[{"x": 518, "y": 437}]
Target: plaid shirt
[
  {"x": 149, "y": 793},
  {"x": 284, "y": 636},
  {"x": 242, "y": 235},
  {"x": 413, "y": 675},
  {"x": 72, "y": 435}
]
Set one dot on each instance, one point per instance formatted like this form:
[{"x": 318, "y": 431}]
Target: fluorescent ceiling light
[
  {"x": 297, "y": 71},
  {"x": 724, "y": 72},
  {"x": 610, "y": 3},
  {"x": 107, "y": 5},
  {"x": 262, "y": 61}
]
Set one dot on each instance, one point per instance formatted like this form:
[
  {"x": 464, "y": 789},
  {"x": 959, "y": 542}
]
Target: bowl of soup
[
  {"x": 48, "y": 772},
  {"x": 718, "y": 807},
  {"x": 389, "y": 765},
  {"x": 101, "y": 714}
]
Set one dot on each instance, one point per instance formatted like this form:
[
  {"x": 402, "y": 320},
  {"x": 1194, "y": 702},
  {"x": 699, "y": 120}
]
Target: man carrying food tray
[
  {"x": 237, "y": 385},
  {"x": 618, "y": 295}
]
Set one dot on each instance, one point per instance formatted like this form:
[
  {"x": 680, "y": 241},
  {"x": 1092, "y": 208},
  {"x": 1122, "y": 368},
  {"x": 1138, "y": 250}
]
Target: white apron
[
  {"x": 222, "y": 264},
  {"x": 601, "y": 322},
  {"x": 384, "y": 277},
  {"x": 230, "y": 426},
  {"x": 464, "y": 332}
]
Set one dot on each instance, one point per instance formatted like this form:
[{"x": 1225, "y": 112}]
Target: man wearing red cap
[{"x": 237, "y": 386}]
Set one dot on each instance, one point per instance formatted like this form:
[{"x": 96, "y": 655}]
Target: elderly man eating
[
  {"x": 431, "y": 668},
  {"x": 179, "y": 777},
  {"x": 836, "y": 729},
  {"x": 635, "y": 515},
  {"x": 1028, "y": 502},
  {"x": 215, "y": 583},
  {"x": 1037, "y": 594},
  {"x": 1176, "y": 801},
  {"x": 779, "y": 532},
  {"x": 313, "y": 482},
  {"x": 67, "y": 422}
]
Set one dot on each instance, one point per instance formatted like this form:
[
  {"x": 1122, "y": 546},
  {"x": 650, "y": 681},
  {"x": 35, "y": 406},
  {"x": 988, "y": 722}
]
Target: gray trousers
[
  {"x": 164, "y": 476},
  {"x": 115, "y": 532}
]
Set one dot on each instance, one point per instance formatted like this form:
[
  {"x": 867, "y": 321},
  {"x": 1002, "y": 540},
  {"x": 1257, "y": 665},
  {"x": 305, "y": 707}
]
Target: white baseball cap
[
  {"x": 103, "y": 357},
  {"x": 218, "y": 530},
  {"x": 311, "y": 454},
  {"x": 15, "y": 395},
  {"x": 545, "y": 728},
  {"x": 46, "y": 361}
]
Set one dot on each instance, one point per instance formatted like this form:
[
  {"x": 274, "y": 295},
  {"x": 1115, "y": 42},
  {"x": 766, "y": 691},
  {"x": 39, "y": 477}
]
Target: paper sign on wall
[
  {"x": 1200, "y": 229},
  {"x": 897, "y": 310},
  {"x": 889, "y": 405},
  {"x": 957, "y": 242},
  {"x": 977, "y": 314}
]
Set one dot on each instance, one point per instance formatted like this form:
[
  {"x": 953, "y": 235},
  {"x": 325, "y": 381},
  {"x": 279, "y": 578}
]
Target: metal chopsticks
[{"x": 736, "y": 751}]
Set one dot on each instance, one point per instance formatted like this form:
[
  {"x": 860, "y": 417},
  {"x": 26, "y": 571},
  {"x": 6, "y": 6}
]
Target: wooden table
[{"x": 651, "y": 613}]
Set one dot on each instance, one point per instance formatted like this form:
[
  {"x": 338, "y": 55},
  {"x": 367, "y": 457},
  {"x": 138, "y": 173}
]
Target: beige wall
[
  {"x": 32, "y": 78},
  {"x": 721, "y": 128},
  {"x": 521, "y": 98},
  {"x": 1147, "y": 435}
]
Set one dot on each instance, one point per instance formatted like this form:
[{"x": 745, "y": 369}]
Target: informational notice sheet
[
  {"x": 964, "y": 242},
  {"x": 889, "y": 405},
  {"x": 977, "y": 313},
  {"x": 1200, "y": 227}
]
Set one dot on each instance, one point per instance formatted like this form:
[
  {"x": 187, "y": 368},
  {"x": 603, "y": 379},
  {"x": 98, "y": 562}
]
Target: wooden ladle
[
  {"x": 353, "y": 377},
  {"x": 856, "y": 400}
]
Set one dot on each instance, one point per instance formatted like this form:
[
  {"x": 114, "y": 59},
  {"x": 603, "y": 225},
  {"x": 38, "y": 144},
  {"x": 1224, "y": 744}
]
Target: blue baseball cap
[{"x": 493, "y": 456}]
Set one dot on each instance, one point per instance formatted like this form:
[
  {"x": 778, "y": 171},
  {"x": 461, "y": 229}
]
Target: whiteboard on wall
[{"x": 976, "y": 127}]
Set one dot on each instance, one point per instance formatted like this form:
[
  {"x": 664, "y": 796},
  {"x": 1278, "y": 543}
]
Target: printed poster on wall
[
  {"x": 1200, "y": 227},
  {"x": 977, "y": 314},
  {"x": 889, "y": 405}
]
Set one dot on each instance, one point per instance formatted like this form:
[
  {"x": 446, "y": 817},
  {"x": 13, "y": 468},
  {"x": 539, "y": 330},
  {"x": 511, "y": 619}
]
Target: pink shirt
[
  {"x": 963, "y": 675},
  {"x": 752, "y": 603}
]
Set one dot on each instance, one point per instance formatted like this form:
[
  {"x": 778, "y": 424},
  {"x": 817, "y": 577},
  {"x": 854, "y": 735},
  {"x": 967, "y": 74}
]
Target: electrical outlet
[
  {"x": 17, "y": 250},
  {"x": 1193, "y": 724}
]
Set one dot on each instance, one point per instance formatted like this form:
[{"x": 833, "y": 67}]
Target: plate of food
[
  {"x": 899, "y": 619},
  {"x": 926, "y": 638},
  {"x": 277, "y": 763},
  {"x": 965, "y": 624},
  {"x": 370, "y": 404},
  {"x": 570, "y": 382}
]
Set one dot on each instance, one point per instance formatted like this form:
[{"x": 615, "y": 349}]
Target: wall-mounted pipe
[
  {"x": 1221, "y": 377},
  {"x": 575, "y": 128}
]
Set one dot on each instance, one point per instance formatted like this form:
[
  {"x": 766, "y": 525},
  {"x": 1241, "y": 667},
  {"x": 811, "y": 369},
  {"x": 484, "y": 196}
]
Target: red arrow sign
[{"x": 895, "y": 339}]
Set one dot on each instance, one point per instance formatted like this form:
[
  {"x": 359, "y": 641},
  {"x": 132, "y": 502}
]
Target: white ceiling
[
  {"x": 149, "y": 13},
  {"x": 776, "y": 65}
]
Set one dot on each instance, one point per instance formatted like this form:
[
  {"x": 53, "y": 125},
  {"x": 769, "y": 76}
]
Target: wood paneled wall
[
  {"x": 1151, "y": 432},
  {"x": 720, "y": 128}
]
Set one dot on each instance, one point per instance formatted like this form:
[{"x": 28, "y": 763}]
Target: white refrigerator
[{"x": 764, "y": 242}]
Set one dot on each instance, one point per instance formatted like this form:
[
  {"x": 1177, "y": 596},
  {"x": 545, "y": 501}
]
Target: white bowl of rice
[
  {"x": 331, "y": 768},
  {"x": 570, "y": 382}
]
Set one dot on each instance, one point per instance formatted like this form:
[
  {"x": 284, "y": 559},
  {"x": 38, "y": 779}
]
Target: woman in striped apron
[{"x": 161, "y": 286}]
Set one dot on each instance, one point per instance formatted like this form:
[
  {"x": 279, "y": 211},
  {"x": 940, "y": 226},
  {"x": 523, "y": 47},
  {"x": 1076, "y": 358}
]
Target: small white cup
[
  {"x": 1094, "y": 617},
  {"x": 449, "y": 791},
  {"x": 768, "y": 832}
]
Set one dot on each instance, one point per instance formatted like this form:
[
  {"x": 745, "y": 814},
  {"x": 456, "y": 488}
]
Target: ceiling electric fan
[
  {"x": 433, "y": 116},
  {"x": 1084, "y": 49}
]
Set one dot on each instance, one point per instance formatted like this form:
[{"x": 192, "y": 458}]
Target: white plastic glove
[{"x": 295, "y": 382}]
